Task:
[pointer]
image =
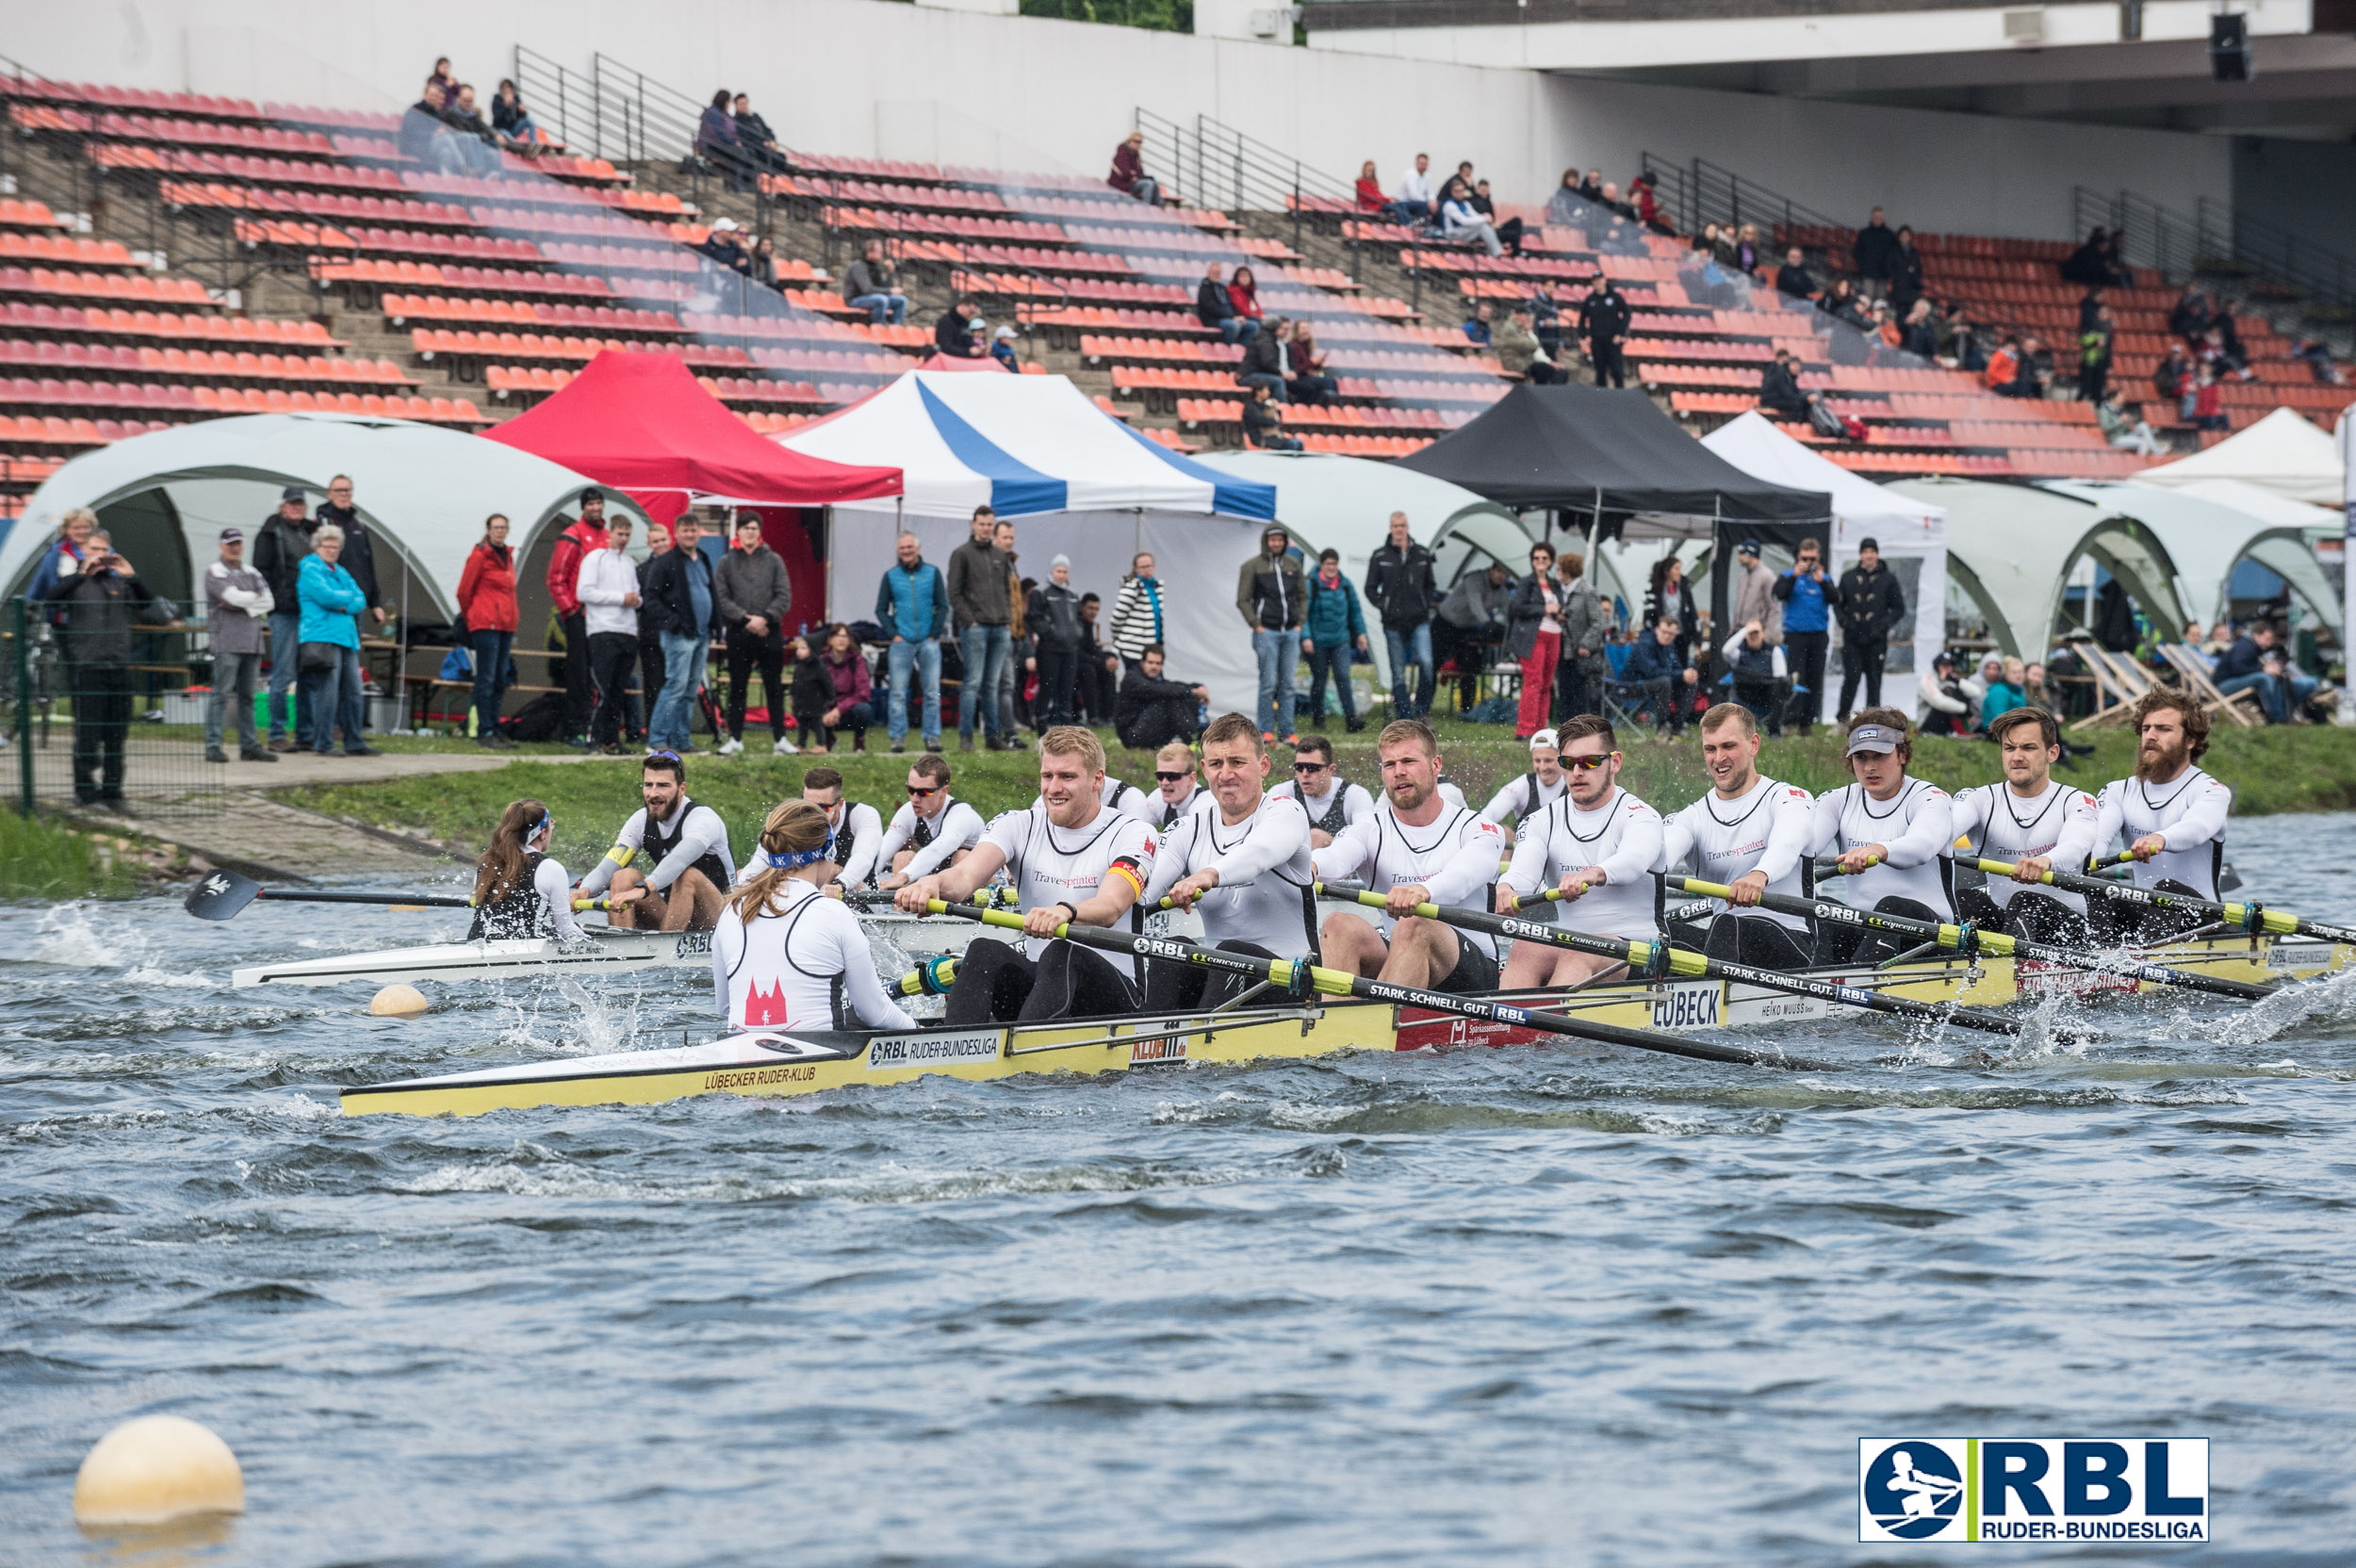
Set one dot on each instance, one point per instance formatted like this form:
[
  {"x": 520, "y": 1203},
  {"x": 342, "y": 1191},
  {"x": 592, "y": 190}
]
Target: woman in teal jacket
[
  {"x": 331, "y": 602},
  {"x": 1334, "y": 626}
]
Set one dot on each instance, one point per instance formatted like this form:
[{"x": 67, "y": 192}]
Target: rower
[
  {"x": 1175, "y": 796},
  {"x": 518, "y": 891},
  {"x": 669, "y": 867},
  {"x": 1072, "y": 861},
  {"x": 2032, "y": 821},
  {"x": 1891, "y": 833},
  {"x": 933, "y": 831},
  {"x": 2171, "y": 814},
  {"x": 784, "y": 956},
  {"x": 1749, "y": 833},
  {"x": 1414, "y": 847},
  {"x": 1526, "y": 797},
  {"x": 1331, "y": 801},
  {"x": 854, "y": 831},
  {"x": 1243, "y": 862},
  {"x": 1128, "y": 799},
  {"x": 1599, "y": 844}
]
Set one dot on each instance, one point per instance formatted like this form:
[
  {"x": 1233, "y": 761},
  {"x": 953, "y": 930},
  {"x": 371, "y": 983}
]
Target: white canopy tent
[
  {"x": 1909, "y": 531},
  {"x": 422, "y": 490},
  {"x": 2284, "y": 452},
  {"x": 2206, "y": 537},
  {"x": 1073, "y": 480}
]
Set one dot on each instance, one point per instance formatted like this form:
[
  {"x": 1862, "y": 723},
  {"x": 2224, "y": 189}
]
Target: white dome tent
[
  {"x": 2206, "y": 539},
  {"x": 2284, "y": 452}
]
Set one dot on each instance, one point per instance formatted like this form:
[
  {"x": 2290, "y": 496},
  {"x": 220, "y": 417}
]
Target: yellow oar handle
[
  {"x": 2003, "y": 868},
  {"x": 597, "y": 903},
  {"x": 1951, "y": 937},
  {"x": 1639, "y": 955},
  {"x": 1834, "y": 868},
  {"x": 1329, "y": 982}
]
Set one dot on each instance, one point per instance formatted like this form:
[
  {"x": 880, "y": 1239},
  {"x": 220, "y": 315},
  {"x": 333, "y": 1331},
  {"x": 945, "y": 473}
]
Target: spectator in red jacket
[
  {"x": 585, "y": 535},
  {"x": 1243, "y": 293},
  {"x": 1129, "y": 176},
  {"x": 486, "y": 597}
]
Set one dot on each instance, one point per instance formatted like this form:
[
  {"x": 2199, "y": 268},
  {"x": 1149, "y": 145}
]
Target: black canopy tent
[{"x": 1616, "y": 464}]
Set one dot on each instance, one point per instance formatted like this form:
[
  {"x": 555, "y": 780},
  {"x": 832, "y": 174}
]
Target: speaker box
[{"x": 2228, "y": 48}]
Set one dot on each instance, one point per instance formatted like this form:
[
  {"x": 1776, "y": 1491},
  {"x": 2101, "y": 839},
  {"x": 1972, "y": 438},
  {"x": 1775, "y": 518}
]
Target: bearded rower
[
  {"x": 670, "y": 867},
  {"x": 1891, "y": 833},
  {"x": 854, "y": 831},
  {"x": 1072, "y": 861},
  {"x": 1596, "y": 843},
  {"x": 1525, "y": 798},
  {"x": 520, "y": 892},
  {"x": 2171, "y": 814},
  {"x": 1330, "y": 801},
  {"x": 933, "y": 831},
  {"x": 1177, "y": 796},
  {"x": 783, "y": 954},
  {"x": 1243, "y": 862},
  {"x": 1749, "y": 833},
  {"x": 2035, "y": 823},
  {"x": 1414, "y": 847}
]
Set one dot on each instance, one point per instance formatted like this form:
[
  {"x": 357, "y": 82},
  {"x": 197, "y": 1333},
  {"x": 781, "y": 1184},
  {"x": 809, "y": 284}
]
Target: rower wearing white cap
[
  {"x": 1526, "y": 797},
  {"x": 2171, "y": 814},
  {"x": 1747, "y": 834},
  {"x": 1597, "y": 844},
  {"x": 1891, "y": 832},
  {"x": 2033, "y": 823}
]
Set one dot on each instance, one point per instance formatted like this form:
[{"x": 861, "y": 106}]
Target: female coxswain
[
  {"x": 786, "y": 956},
  {"x": 518, "y": 891}
]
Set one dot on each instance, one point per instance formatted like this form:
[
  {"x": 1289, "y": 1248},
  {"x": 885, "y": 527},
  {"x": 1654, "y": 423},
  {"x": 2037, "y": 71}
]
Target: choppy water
[{"x": 1519, "y": 1307}]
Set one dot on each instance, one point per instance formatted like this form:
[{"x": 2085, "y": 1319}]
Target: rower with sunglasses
[
  {"x": 1526, "y": 797},
  {"x": 932, "y": 832},
  {"x": 1598, "y": 845},
  {"x": 1177, "y": 796},
  {"x": 1331, "y": 801},
  {"x": 518, "y": 891},
  {"x": 670, "y": 867}
]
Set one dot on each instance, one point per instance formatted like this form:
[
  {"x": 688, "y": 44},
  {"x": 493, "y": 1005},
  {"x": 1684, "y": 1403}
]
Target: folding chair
[{"x": 2243, "y": 707}]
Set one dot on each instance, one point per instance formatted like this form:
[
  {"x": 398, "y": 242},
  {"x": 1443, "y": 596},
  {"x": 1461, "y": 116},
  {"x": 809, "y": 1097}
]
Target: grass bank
[
  {"x": 42, "y": 857},
  {"x": 2302, "y": 769}
]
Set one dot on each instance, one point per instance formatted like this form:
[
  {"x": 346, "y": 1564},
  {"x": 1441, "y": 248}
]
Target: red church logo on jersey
[{"x": 765, "y": 1007}]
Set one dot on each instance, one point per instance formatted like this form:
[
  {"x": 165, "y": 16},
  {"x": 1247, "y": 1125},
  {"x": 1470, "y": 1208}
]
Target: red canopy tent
[{"x": 641, "y": 423}]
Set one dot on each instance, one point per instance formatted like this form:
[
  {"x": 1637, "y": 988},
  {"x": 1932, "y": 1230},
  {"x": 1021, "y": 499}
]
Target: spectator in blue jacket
[
  {"x": 331, "y": 603},
  {"x": 913, "y": 603},
  {"x": 1335, "y": 625},
  {"x": 1662, "y": 680},
  {"x": 1808, "y": 597}
]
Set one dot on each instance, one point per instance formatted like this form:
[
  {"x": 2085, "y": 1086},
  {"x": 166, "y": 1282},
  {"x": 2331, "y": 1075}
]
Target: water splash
[{"x": 2327, "y": 1001}]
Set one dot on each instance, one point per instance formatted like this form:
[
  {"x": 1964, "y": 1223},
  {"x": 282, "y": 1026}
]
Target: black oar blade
[{"x": 220, "y": 894}]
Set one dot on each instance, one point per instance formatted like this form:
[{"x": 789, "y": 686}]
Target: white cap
[
  {"x": 1546, "y": 738},
  {"x": 722, "y": 225}
]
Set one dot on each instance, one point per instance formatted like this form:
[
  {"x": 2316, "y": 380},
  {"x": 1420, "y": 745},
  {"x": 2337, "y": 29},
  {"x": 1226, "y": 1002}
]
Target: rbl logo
[{"x": 2154, "y": 1491}]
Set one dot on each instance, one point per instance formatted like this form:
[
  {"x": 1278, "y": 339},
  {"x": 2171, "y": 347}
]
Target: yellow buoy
[
  {"x": 156, "y": 1469},
  {"x": 397, "y": 1001}
]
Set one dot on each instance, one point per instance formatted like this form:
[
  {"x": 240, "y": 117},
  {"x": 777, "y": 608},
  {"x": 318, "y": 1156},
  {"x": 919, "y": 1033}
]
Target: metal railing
[
  {"x": 2279, "y": 267},
  {"x": 1215, "y": 164},
  {"x": 1697, "y": 192}
]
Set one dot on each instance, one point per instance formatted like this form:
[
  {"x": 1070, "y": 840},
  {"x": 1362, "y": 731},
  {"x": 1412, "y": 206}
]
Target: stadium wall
[{"x": 869, "y": 78}]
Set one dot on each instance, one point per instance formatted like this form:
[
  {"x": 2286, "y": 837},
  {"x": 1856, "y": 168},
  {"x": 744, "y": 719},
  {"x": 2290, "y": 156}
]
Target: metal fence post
[{"x": 23, "y": 625}]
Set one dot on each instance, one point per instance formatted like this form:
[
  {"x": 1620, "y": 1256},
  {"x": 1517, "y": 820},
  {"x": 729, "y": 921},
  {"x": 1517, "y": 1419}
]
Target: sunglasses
[
  {"x": 1313, "y": 767},
  {"x": 665, "y": 756},
  {"x": 1172, "y": 777},
  {"x": 1587, "y": 764},
  {"x": 919, "y": 791}
]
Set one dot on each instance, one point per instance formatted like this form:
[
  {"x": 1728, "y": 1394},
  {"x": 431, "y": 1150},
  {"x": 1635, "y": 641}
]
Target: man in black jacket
[
  {"x": 1871, "y": 606},
  {"x": 279, "y": 546},
  {"x": 952, "y": 334},
  {"x": 981, "y": 598},
  {"x": 1793, "y": 279},
  {"x": 1874, "y": 251},
  {"x": 1905, "y": 273},
  {"x": 1263, "y": 363},
  {"x": 1400, "y": 585},
  {"x": 1155, "y": 711},
  {"x": 1603, "y": 321},
  {"x": 102, "y": 597},
  {"x": 359, "y": 557},
  {"x": 1779, "y": 387},
  {"x": 1213, "y": 308},
  {"x": 677, "y": 601}
]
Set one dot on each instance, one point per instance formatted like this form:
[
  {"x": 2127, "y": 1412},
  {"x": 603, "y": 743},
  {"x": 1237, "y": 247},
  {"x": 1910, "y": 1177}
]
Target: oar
[
  {"x": 1301, "y": 978},
  {"x": 222, "y": 893},
  {"x": 2249, "y": 917},
  {"x": 1661, "y": 959},
  {"x": 1955, "y": 936},
  {"x": 933, "y": 977},
  {"x": 984, "y": 897}
]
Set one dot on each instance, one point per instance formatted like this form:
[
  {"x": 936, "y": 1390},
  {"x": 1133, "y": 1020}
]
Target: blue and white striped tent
[{"x": 1074, "y": 482}]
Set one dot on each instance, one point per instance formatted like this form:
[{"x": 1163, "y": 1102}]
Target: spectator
[
  {"x": 2001, "y": 682},
  {"x": 1546, "y": 322},
  {"x": 234, "y": 597},
  {"x": 332, "y": 605},
  {"x": 1946, "y": 711},
  {"x": 753, "y": 135},
  {"x": 1264, "y": 422},
  {"x": 872, "y": 284},
  {"x": 2125, "y": 432},
  {"x": 512, "y": 120},
  {"x": 1243, "y": 295},
  {"x": 2090, "y": 263},
  {"x": 1462, "y": 222},
  {"x": 486, "y": 601},
  {"x": 913, "y": 603},
  {"x": 1129, "y": 176},
  {"x": 74, "y": 529},
  {"x": 1919, "y": 335},
  {"x": 1658, "y": 676},
  {"x": 1666, "y": 599},
  {"x": 466, "y": 117},
  {"x": 1809, "y": 599},
  {"x": 1793, "y": 279},
  {"x": 1604, "y": 319},
  {"x": 650, "y": 670},
  {"x": 1155, "y": 711},
  {"x": 608, "y": 591},
  {"x": 1053, "y": 616},
  {"x": 1586, "y": 625},
  {"x": 1754, "y": 593},
  {"x": 754, "y": 597},
  {"x": 1566, "y": 208},
  {"x": 1874, "y": 251},
  {"x": 578, "y": 540},
  {"x": 2208, "y": 402},
  {"x": 719, "y": 143},
  {"x": 680, "y": 600},
  {"x": 722, "y": 246},
  {"x": 1099, "y": 666},
  {"x": 1018, "y": 635},
  {"x": 1905, "y": 274},
  {"x": 1138, "y": 618},
  {"x": 2094, "y": 355},
  {"x": 2038, "y": 690},
  {"x": 762, "y": 263},
  {"x": 2255, "y": 662},
  {"x": 1335, "y": 625},
  {"x": 2317, "y": 355},
  {"x": 1304, "y": 367},
  {"x": 952, "y": 334},
  {"x": 832, "y": 691},
  {"x": 1476, "y": 330},
  {"x": 2192, "y": 314},
  {"x": 1368, "y": 193},
  {"x": 1647, "y": 201},
  {"x": 1519, "y": 354},
  {"x": 1263, "y": 363},
  {"x": 1002, "y": 351},
  {"x": 278, "y": 553},
  {"x": 1213, "y": 307},
  {"x": 1779, "y": 388},
  {"x": 443, "y": 79},
  {"x": 1747, "y": 257},
  {"x": 1760, "y": 676},
  {"x": 1533, "y": 629},
  {"x": 1414, "y": 191},
  {"x": 359, "y": 547},
  {"x": 1510, "y": 231},
  {"x": 1401, "y": 587},
  {"x": 99, "y": 597},
  {"x": 1274, "y": 603},
  {"x": 1872, "y": 606},
  {"x": 1842, "y": 303},
  {"x": 980, "y": 597},
  {"x": 428, "y": 135}
]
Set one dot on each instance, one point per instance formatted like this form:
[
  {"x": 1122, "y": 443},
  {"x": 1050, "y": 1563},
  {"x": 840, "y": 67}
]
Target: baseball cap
[
  {"x": 1873, "y": 737},
  {"x": 293, "y": 493},
  {"x": 724, "y": 225},
  {"x": 233, "y": 535},
  {"x": 1749, "y": 547},
  {"x": 1545, "y": 738}
]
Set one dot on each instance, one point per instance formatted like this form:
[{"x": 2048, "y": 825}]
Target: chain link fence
[{"x": 109, "y": 717}]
